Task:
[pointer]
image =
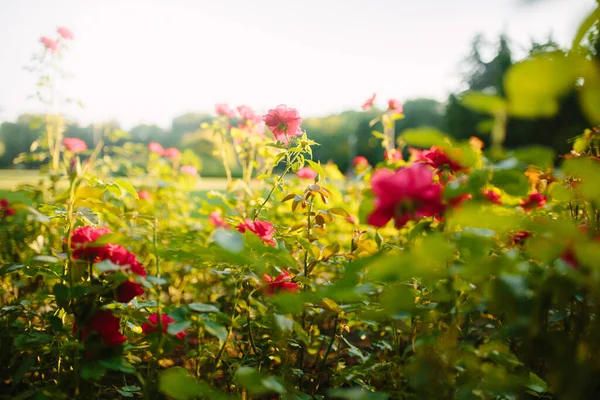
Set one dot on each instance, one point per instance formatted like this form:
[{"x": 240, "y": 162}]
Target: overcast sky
[{"x": 144, "y": 61}]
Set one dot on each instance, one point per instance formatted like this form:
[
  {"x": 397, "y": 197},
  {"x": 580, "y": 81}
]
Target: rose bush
[{"x": 485, "y": 285}]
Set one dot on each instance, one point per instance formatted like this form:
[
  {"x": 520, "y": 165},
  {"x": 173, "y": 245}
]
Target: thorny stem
[
  {"x": 306, "y": 272},
  {"x": 224, "y": 155},
  {"x": 250, "y": 337},
  {"x": 290, "y": 162},
  {"x": 330, "y": 346},
  {"x": 230, "y": 331}
]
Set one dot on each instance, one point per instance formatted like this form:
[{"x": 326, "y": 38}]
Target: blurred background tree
[{"x": 348, "y": 134}]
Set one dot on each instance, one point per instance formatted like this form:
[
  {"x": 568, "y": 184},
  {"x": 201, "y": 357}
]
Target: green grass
[{"x": 10, "y": 180}]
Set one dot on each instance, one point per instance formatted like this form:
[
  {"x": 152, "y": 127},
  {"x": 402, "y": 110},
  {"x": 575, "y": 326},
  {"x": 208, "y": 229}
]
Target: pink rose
[
  {"x": 172, "y": 153},
  {"x": 395, "y": 106},
  {"x": 407, "y": 194},
  {"x": 189, "y": 170},
  {"x": 51, "y": 45},
  {"x": 75, "y": 145},
  {"x": 284, "y": 122},
  {"x": 306, "y": 173},
  {"x": 65, "y": 33},
  {"x": 224, "y": 110},
  {"x": 369, "y": 103},
  {"x": 156, "y": 148}
]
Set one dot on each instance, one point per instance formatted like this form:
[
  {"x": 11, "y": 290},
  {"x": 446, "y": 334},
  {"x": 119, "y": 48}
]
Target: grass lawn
[{"x": 11, "y": 179}]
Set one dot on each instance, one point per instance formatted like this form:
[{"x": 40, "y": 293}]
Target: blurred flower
[
  {"x": 392, "y": 156},
  {"x": 395, "y": 106},
  {"x": 535, "y": 200},
  {"x": 224, "y": 110},
  {"x": 215, "y": 219},
  {"x": 75, "y": 145},
  {"x": 106, "y": 325},
  {"x": 247, "y": 114},
  {"x": 263, "y": 229},
  {"x": 74, "y": 169},
  {"x": 458, "y": 200},
  {"x": 114, "y": 253},
  {"x": 520, "y": 237},
  {"x": 284, "y": 122},
  {"x": 476, "y": 143},
  {"x": 172, "y": 153},
  {"x": 189, "y": 170},
  {"x": 360, "y": 161},
  {"x": 156, "y": 148},
  {"x": 437, "y": 159},
  {"x": 84, "y": 235},
  {"x": 152, "y": 325},
  {"x": 306, "y": 173},
  {"x": 144, "y": 195},
  {"x": 122, "y": 257},
  {"x": 65, "y": 33},
  {"x": 128, "y": 290},
  {"x": 282, "y": 283},
  {"x": 5, "y": 210},
  {"x": 492, "y": 196},
  {"x": 407, "y": 194},
  {"x": 51, "y": 45},
  {"x": 369, "y": 103}
]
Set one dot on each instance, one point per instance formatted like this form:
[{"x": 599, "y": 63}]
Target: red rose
[
  {"x": 535, "y": 200},
  {"x": 437, "y": 159},
  {"x": 492, "y": 196},
  {"x": 360, "y": 161},
  {"x": 407, "y": 194},
  {"x": 282, "y": 283},
  {"x": 128, "y": 290},
  {"x": 151, "y": 326},
  {"x": 262, "y": 229},
  {"x": 106, "y": 325}
]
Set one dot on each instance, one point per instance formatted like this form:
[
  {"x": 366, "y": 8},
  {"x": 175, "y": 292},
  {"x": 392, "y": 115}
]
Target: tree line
[{"x": 348, "y": 134}]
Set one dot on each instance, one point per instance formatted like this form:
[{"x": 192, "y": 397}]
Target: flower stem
[{"x": 290, "y": 162}]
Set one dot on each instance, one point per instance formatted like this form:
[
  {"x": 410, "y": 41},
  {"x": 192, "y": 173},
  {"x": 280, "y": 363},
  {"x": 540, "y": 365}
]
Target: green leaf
[
  {"x": 424, "y": 137},
  {"x": 483, "y": 103},
  {"x": 106, "y": 266},
  {"x": 317, "y": 167},
  {"x": 256, "y": 383},
  {"x": 230, "y": 240},
  {"x": 118, "y": 364},
  {"x": 216, "y": 330},
  {"x": 535, "y": 155},
  {"x": 177, "y": 384},
  {"x": 7, "y": 269},
  {"x": 585, "y": 26},
  {"x": 512, "y": 181},
  {"x": 339, "y": 211},
  {"x": 127, "y": 187},
  {"x": 61, "y": 293},
  {"x": 284, "y": 323},
  {"x": 177, "y": 327},
  {"x": 356, "y": 394},
  {"x": 92, "y": 371},
  {"x": 24, "y": 366},
  {"x": 535, "y": 85},
  {"x": 203, "y": 308},
  {"x": 537, "y": 384}
]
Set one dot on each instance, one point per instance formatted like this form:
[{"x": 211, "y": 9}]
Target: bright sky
[{"x": 145, "y": 61}]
